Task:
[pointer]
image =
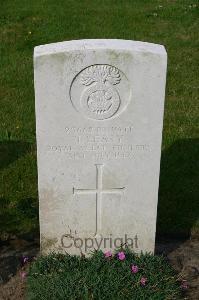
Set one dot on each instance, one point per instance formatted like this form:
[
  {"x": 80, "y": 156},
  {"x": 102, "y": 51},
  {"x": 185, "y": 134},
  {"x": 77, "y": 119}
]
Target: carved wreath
[{"x": 100, "y": 73}]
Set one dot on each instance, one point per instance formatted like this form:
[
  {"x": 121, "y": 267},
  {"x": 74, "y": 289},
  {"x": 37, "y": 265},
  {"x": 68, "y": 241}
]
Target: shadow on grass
[
  {"x": 12, "y": 150},
  {"x": 18, "y": 199},
  {"x": 178, "y": 206}
]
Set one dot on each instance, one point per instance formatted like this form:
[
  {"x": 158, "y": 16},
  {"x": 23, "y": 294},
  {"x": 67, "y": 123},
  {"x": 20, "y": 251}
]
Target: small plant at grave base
[
  {"x": 108, "y": 254},
  {"x": 23, "y": 275},
  {"x": 121, "y": 255},
  {"x": 102, "y": 276},
  {"x": 184, "y": 285},
  {"x": 134, "y": 269},
  {"x": 24, "y": 260},
  {"x": 143, "y": 281}
]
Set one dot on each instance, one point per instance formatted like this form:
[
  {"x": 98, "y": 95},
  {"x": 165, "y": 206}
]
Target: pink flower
[
  {"x": 134, "y": 269},
  {"x": 121, "y": 255},
  {"x": 184, "y": 285},
  {"x": 108, "y": 254},
  {"x": 143, "y": 281},
  {"x": 24, "y": 260},
  {"x": 23, "y": 275}
]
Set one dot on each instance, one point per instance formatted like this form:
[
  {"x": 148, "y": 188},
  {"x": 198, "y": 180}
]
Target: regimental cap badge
[
  {"x": 100, "y": 100},
  {"x": 100, "y": 92}
]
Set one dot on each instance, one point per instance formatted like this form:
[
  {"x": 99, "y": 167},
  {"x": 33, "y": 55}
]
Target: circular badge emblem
[{"x": 96, "y": 91}]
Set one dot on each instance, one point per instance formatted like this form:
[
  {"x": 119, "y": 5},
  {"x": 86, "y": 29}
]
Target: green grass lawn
[{"x": 26, "y": 24}]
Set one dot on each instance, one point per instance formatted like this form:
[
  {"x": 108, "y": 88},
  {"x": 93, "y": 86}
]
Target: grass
[
  {"x": 58, "y": 277},
  {"x": 25, "y": 24}
]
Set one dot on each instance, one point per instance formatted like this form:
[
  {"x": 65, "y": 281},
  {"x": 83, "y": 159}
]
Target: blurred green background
[{"x": 26, "y": 24}]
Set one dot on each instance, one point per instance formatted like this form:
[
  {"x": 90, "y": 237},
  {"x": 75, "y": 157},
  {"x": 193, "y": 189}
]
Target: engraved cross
[{"x": 98, "y": 192}]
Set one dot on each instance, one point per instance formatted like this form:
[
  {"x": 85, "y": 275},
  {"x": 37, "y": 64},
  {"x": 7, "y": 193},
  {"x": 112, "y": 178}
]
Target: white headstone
[{"x": 99, "y": 115}]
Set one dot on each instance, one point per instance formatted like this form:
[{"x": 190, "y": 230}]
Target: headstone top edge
[{"x": 92, "y": 44}]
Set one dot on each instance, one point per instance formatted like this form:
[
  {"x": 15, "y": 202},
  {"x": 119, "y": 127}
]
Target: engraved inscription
[
  {"x": 99, "y": 130},
  {"x": 100, "y": 91},
  {"x": 99, "y": 143},
  {"x": 98, "y": 192}
]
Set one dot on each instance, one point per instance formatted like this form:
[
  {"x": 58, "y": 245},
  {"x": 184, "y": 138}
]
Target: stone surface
[{"x": 99, "y": 116}]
